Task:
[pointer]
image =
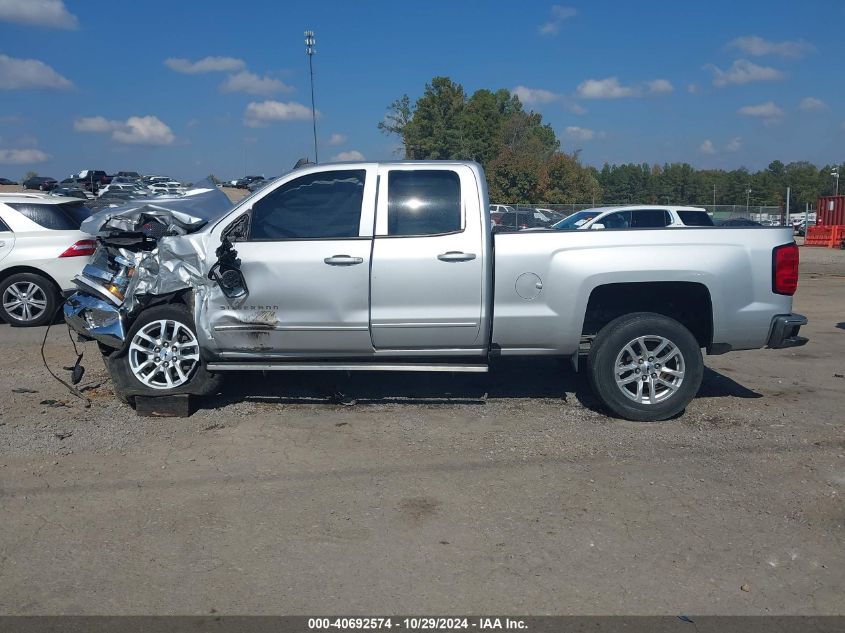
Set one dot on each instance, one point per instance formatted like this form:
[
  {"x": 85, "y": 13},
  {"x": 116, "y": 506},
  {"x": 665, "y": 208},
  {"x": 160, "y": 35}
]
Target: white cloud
[
  {"x": 734, "y": 145},
  {"x": 47, "y": 13},
  {"x": 539, "y": 96},
  {"x": 204, "y": 65},
  {"x": 24, "y": 74},
  {"x": 757, "y": 46},
  {"x": 251, "y": 83},
  {"x": 811, "y": 103},
  {"x": 768, "y": 112},
  {"x": 136, "y": 130},
  {"x": 692, "y": 89},
  {"x": 576, "y": 133},
  {"x": 534, "y": 96},
  {"x": 352, "y": 154},
  {"x": 144, "y": 130},
  {"x": 559, "y": 14},
  {"x": 261, "y": 114},
  {"x": 336, "y": 139},
  {"x": 743, "y": 71},
  {"x": 95, "y": 124},
  {"x": 604, "y": 89},
  {"x": 707, "y": 147},
  {"x": 660, "y": 86},
  {"x": 22, "y": 156}
]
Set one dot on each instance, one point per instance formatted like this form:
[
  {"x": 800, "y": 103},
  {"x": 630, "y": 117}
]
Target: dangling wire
[{"x": 73, "y": 390}]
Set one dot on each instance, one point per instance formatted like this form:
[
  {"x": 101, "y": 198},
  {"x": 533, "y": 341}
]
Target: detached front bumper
[
  {"x": 784, "y": 332},
  {"x": 95, "y": 319}
]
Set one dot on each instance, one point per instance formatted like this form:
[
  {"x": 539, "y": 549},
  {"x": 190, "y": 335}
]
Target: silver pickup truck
[{"x": 394, "y": 267}]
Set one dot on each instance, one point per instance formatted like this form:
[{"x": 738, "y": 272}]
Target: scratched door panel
[{"x": 299, "y": 303}]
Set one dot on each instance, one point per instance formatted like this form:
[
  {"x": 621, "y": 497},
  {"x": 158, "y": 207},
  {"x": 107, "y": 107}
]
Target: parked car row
[
  {"x": 94, "y": 180},
  {"x": 246, "y": 181}
]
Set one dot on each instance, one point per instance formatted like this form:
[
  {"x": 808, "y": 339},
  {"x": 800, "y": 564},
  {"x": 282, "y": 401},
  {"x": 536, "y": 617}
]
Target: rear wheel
[
  {"x": 27, "y": 300},
  {"x": 162, "y": 357},
  {"x": 645, "y": 366}
]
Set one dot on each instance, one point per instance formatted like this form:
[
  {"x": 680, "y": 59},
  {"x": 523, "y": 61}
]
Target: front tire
[
  {"x": 28, "y": 300},
  {"x": 645, "y": 367},
  {"x": 161, "y": 357}
]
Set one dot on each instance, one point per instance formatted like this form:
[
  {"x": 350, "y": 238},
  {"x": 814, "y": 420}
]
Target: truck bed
[{"x": 544, "y": 281}]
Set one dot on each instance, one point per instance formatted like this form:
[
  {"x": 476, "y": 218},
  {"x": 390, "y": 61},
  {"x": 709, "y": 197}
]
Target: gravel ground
[{"x": 512, "y": 492}]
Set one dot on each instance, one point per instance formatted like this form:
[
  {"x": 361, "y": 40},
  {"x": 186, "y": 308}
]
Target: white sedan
[{"x": 41, "y": 250}]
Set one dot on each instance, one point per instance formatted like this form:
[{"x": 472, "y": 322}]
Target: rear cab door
[{"x": 430, "y": 269}]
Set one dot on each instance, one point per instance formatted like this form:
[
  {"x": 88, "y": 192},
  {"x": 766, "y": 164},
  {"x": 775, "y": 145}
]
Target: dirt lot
[{"x": 432, "y": 494}]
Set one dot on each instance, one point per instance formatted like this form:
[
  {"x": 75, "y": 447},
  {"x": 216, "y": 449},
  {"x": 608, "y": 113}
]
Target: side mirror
[
  {"x": 598, "y": 226},
  {"x": 232, "y": 283},
  {"x": 227, "y": 272}
]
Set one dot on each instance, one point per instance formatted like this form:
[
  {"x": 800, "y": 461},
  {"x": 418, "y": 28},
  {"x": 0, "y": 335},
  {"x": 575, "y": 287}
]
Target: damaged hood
[
  {"x": 181, "y": 214},
  {"x": 145, "y": 249}
]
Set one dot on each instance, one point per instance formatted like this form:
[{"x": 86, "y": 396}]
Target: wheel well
[
  {"x": 686, "y": 302},
  {"x": 14, "y": 270}
]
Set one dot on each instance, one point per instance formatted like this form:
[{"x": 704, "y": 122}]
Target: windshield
[{"x": 575, "y": 220}]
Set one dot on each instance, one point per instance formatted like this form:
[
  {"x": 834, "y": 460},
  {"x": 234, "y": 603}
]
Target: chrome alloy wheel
[
  {"x": 649, "y": 369},
  {"x": 25, "y": 301},
  {"x": 163, "y": 354}
]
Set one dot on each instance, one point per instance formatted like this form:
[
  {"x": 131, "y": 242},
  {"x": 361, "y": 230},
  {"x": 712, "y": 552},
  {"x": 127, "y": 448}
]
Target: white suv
[
  {"x": 647, "y": 216},
  {"x": 41, "y": 249}
]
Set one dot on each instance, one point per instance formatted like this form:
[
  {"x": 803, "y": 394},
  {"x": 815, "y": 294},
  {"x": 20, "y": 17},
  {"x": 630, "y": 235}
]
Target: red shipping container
[{"x": 831, "y": 211}]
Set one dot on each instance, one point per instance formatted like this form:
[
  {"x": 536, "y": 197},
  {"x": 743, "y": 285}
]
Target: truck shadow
[
  {"x": 513, "y": 379},
  {"x": 841, "y": 325}
]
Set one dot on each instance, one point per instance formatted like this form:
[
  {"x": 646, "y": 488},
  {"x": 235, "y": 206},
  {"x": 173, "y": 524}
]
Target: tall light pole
[
  {"x": 747, "y": 199},
  {"x": 714, "y": 197},
  {"x": 835, "y": 174},
  {"x": 310, "y": 50}
]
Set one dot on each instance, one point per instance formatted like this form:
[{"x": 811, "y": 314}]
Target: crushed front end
[{"x": 145, "y": 254}]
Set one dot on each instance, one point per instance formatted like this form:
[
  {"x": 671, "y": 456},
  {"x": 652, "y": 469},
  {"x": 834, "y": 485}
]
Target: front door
[
  {"x": 428, "y": 259},
  {"x": 306, "y": 263}
]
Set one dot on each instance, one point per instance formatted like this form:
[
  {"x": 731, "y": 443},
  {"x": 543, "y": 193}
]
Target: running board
[{"x": 344, "y": 367}]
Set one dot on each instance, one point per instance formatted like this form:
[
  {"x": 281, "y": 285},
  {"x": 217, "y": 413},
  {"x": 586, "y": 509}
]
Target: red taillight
[
  {"x": 785, "y": 269},
  {"x": 83, "y": 248}
]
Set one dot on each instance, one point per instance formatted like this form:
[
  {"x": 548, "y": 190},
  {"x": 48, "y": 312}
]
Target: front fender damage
[{"x": 147, "y": 252}]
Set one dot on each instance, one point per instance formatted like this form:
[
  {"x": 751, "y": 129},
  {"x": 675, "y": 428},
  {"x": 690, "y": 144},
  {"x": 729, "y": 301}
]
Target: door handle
[
  {"x": 2, "y": 243},
  {"x": 456, "y": 256},
  {"x": 343, "y": 260}
]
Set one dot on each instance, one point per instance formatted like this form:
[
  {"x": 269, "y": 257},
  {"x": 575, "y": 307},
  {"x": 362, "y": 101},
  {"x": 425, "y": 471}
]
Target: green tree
[
  {"x": 434, "y": 131},
  {"x": 566, "y": 182},
  {"x": 396, "y": 120}
]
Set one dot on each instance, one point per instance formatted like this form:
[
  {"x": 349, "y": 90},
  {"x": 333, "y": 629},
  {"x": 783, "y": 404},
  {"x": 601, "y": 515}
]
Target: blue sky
[{"x": 88, "y": 84}]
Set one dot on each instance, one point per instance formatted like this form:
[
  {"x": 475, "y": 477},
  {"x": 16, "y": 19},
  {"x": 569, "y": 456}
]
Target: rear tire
[
  {"x": 28, "y": 300},
  {"x": 645, "y": 367},
  {"x": 161, "y": 357}
]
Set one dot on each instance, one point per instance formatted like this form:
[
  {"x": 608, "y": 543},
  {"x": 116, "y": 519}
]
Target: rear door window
[
  {"x": 67, "y": 216},
  {"x": 649, "y": 219},
  {"x": 423, "y": 202},
  {"x": 695, "y": 218}
]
